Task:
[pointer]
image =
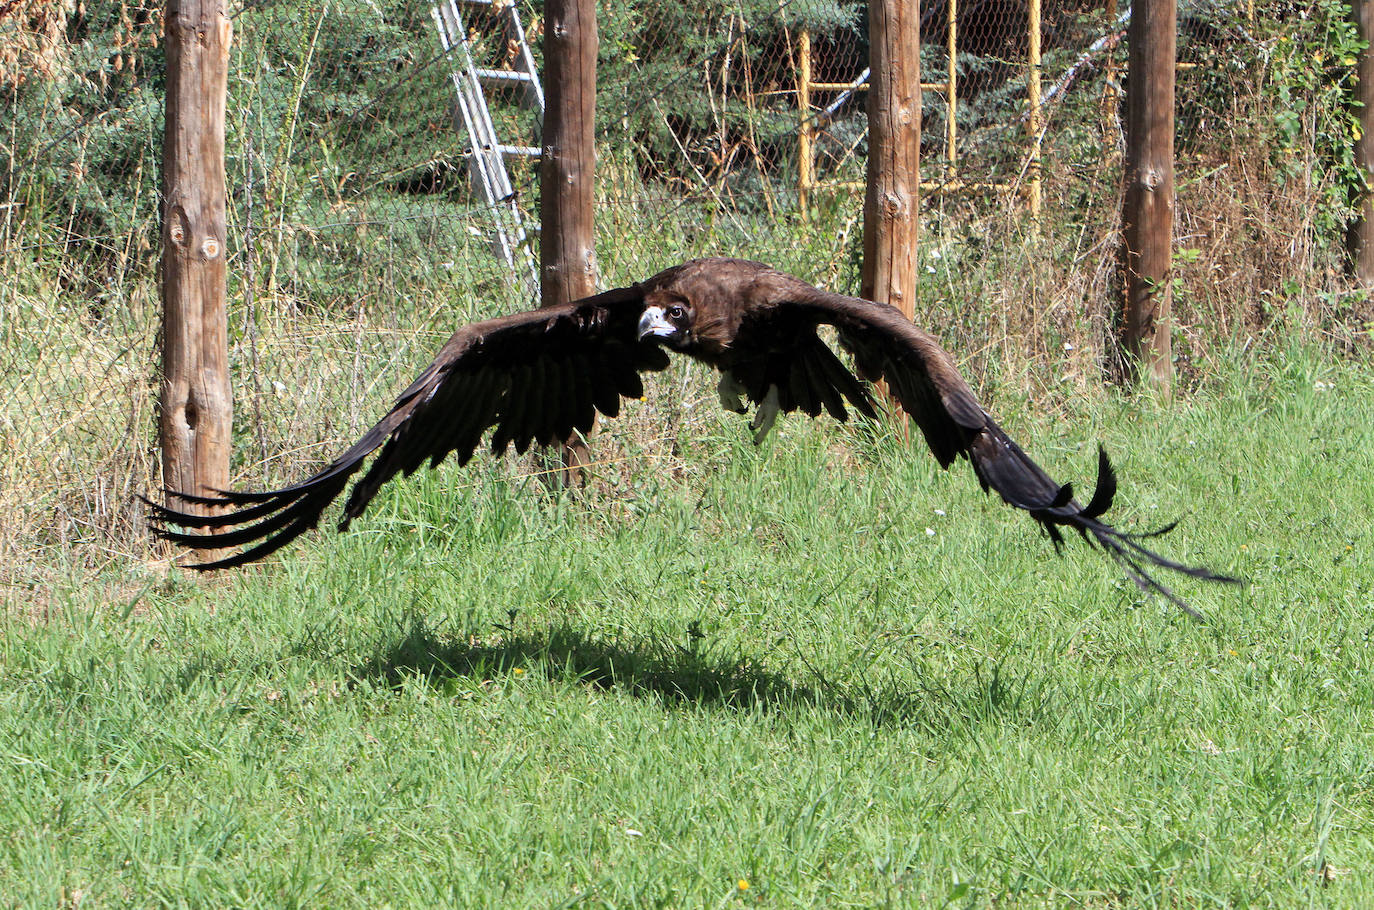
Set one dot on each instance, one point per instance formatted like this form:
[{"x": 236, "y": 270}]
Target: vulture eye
[{"x": 676, "y": 311}]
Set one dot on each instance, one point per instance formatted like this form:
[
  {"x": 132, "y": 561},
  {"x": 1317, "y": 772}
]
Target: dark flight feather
[{"x": 537, "y": 376}]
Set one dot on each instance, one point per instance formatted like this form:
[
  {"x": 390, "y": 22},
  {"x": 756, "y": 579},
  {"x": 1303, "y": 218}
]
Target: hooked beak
[{"x": 654, "y": 322}]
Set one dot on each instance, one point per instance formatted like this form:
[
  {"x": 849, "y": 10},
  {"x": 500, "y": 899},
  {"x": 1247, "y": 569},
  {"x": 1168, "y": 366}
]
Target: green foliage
[
  {"x": 83, "y": 138},
  {"x": 1311, "y": 77},
  {"x": 347, "y": 96},
  {"x": 674, "y": 78}
]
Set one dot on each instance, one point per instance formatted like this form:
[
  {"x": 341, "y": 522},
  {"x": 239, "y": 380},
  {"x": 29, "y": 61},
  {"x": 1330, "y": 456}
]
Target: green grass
[{"x": 763, "y": 670}]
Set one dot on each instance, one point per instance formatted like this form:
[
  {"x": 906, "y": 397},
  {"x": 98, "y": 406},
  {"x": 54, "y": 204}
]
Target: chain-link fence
[{"x": 359, "y": 234}]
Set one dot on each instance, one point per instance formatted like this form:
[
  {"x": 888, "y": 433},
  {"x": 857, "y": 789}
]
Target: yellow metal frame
[{"x": 806, "y": 128}]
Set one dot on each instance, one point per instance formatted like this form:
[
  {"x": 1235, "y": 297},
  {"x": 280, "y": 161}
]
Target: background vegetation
[{"x": 713, "y": 671}]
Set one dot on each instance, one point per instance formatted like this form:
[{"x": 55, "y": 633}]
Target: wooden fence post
[
  {"x": 806, "y": 127},
  {"x": 1036, "y": 124},
  {"x": 567, "y": 170},
  {"x": 1147, "y": 218},
  {"x": 894, "y": 154},
  {"x": 951, "y": 90},
  {"x": 196, "y": 408}
]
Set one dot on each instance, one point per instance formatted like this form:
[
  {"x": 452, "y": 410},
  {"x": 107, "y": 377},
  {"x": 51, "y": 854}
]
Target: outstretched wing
[
  {"x": 780, "y": 361},
  {"x": 533, "y": 377}
]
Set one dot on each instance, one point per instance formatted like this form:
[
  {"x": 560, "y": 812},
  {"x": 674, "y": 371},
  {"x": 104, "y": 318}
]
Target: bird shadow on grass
[{"x": 674, "y": 673}]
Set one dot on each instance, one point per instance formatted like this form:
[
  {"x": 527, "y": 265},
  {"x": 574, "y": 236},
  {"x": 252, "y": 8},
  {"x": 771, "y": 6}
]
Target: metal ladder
[{"x": 487, "y": 155}]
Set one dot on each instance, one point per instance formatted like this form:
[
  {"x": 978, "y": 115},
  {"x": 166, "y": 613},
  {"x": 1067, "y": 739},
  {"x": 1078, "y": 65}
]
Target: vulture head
[
  {"x": 667, "y": 320},
  {"x": 696, "y": 308},
  {"x": 541, "y": 375}
]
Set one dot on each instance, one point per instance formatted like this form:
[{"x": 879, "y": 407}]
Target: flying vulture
[{"x": 537, "y": 376}]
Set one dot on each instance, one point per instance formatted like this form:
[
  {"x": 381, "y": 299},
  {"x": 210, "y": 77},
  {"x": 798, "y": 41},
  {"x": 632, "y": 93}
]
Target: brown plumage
[{"x": 537, "y": 376}]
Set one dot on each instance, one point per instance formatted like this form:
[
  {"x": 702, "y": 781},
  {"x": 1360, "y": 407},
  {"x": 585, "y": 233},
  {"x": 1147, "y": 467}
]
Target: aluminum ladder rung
[
  {"x": 504, "y": 77},
  {"x": 512, "y": 240}
]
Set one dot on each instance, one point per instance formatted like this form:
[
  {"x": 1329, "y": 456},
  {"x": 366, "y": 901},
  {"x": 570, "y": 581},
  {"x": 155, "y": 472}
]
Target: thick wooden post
[
  {"x": 951, "y": 89},
  {"x": 197, "y": 411},
  {"x": 1362, "y": 233},
  {"x": 1036, "y": 124},
  {"x": 894, "y": 153},
  {"x": 806, "y": 128},
  {"x": 1147, "y": 219},
  {"x": 567, "y": 169}
]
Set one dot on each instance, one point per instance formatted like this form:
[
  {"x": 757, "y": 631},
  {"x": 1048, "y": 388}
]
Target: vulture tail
[{"x": 1003, "y": 466}]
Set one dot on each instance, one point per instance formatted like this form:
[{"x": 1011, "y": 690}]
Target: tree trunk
[
  {"x": 1362, "y": 233},
  {"x": 196, "y": 408},
  {"x": 891, "y": 209},
  {"x": 567, "y": 171},
  {"x": 1147, "y": 219}
]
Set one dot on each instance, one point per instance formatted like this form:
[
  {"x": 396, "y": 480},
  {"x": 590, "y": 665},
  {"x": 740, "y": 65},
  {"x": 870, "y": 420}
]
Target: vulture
[{"x": 537, "y": 376}]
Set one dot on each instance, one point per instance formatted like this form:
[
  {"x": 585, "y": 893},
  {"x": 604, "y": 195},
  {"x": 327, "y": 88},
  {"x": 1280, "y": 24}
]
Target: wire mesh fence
[{"x": 359, "y": 234}]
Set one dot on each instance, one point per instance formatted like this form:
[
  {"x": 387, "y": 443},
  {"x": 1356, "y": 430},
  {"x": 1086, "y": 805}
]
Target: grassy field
[{"x": 817, "y": 673}]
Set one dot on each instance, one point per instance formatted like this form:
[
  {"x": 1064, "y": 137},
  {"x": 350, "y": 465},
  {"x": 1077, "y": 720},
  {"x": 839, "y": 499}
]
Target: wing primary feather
[
  {"x": 507, "y": 419},
  {"x": 564, "y": 395},
  {"x": 545, "y": 429},
  {"x": 535, "y": 394},
  {"x": 167, "y": 515},
  {"x": 782, "y": 381},
  {"x": 311, "y": 504},
  {"x": 561, "y": 427},
  {"x": 651, "y": 357},
  {"x": 487, "y": 399},
  {"x": 941, "y": 434},
  {"x": 414, "y": 441},
  {"x": 300, "y": 515},
  {"x": 605, "y": 395},
  {"x": 800, "y": 380},
  {"x": 1146, "y": 535},
  {"x": 821, "y": 382},
  {"x": 286, "y": 513},
  {"x": 449, "y": 414},
  {"x": 266, "y": 548},
  {"x": 346, "y": 463},
  {"x": 1105, "y": 491},
  {"x": 1063, "y": 497},
  {"x": 584, "y": 395},
  {"x": 465, "y": 413},
  {"x": 627, "y": 378},
  {"x": 844, "y": 381}
]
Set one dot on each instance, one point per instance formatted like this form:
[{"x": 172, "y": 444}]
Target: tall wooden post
[
  {"x": 1036, "y": 124},
  {"x": 197, "y": 411},
  {"x": 894, "y": 153},
  {"x": 951, "y": 90},
  {"x": 567, "y": 170},
  {"x": 1362, "y": 233},
  {"x": 1147, "y": 218},
  {"x": 805, "y": 127}
]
